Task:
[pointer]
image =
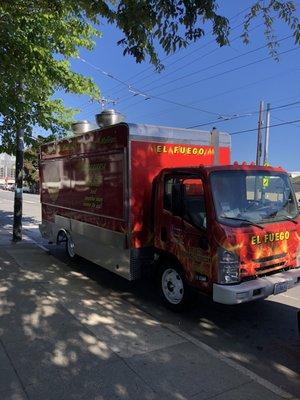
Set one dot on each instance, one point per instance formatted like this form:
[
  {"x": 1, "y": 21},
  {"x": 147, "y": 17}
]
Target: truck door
[
  {"x": 195, "y": 237},
  {"x": 183, "y": 225}
]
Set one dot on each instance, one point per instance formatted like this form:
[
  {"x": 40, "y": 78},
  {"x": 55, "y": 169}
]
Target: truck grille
[
  {"x": 270, "y": 258},
  {"x": 269, "y": 267}
]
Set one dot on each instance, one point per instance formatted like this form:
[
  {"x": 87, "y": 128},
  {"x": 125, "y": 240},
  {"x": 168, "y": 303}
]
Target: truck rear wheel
[
  {"x": 174, "y": 291},
  {"x": 70, "y": 248}
]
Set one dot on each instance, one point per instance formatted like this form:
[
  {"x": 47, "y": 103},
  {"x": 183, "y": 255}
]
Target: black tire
[
  {"x": 70, "y": 249},
  {"x": 172, "y": 286}
]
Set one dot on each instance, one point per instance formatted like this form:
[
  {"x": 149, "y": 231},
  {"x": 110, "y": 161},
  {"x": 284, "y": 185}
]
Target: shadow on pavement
[{"x": 262, "y": 335}]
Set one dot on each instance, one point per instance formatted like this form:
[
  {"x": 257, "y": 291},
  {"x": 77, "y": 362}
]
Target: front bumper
[{"x": 259, "y": 288}]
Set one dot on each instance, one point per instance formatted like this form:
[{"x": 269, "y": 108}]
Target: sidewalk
[{"x": 63, "y": 337}]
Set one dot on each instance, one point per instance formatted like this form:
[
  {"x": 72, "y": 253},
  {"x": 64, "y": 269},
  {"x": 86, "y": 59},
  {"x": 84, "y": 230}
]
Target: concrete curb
[{"x": 252, "y": 375}]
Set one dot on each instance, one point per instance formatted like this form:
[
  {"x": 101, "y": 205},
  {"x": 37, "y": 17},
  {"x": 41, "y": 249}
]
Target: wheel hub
[{"x": 172, "y": 286}]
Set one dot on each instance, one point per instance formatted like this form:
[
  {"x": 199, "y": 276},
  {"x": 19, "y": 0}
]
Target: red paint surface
[
  {"x": 147, "y": 160},
  {"x": 183, "y": 239},
  {"x": 83, "y": 178}
]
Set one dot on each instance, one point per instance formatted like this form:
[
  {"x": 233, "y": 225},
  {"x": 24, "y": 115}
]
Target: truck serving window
[{"x": 255, "y": 196}]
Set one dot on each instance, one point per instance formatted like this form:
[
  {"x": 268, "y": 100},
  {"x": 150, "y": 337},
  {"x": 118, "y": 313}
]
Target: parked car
[{"x": 26, "y": 189}]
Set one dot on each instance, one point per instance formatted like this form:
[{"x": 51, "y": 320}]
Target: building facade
[
  {"x": 296, "y": 182},
  {"x": 7, "y": 169}
]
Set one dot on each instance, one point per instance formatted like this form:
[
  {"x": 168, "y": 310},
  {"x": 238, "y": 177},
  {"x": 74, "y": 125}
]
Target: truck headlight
[{"x": 228, "y": 267}]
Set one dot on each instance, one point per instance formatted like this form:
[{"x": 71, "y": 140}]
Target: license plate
[{"x": 280, "y": 287}]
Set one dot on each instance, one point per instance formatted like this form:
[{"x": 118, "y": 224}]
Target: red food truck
[{"x": 138, "y": 198}]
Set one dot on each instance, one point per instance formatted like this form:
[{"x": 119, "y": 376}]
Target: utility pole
[
  {"x": 267, "y": 134},
  {"x": 18, "y": 204},
  {"x": 215, "y": 142},
  {"x": 259, "y": 134}
]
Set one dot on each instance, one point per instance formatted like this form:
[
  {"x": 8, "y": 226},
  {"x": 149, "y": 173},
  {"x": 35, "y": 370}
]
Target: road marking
[{"x": 24, "y": 201}]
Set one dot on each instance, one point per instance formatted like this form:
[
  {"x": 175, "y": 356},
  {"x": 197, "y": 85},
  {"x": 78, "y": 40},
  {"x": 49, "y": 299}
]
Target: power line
[
  {"x": 145, "y": 95},
  {"x": 226, "y": 92},
  {"x": 173, "y": 54},
  {"x": 218, "y": 95},
  {"x": 201, "y": 70},
  {"x": 227, "y": 72},
  {"x": 281, "y": 120},
  {"x": 247, "y": 114},
  {"x": 269, "y": 126},
  {"x": 217, "y": 64},
  {"x": 157, "y": 97},
  {"x": 137, "y": 92}
]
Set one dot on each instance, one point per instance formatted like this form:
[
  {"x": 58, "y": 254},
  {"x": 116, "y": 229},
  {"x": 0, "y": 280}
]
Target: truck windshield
[{"x": 249, "y": 197}]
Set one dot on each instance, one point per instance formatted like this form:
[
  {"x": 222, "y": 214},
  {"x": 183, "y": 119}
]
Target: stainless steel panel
[
  {"x": 174, "y": 135},
  {"x": 62, "y": 222},
  {"x": 99, "y": 245},
  {"x": 102, "y": 246},
  {"x": 98, "y": 234}
]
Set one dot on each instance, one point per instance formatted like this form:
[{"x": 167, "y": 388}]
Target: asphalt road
[{"x": 262, "y": 336}]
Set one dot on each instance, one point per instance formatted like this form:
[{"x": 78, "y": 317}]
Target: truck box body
[{"x": 98, "y": 187}]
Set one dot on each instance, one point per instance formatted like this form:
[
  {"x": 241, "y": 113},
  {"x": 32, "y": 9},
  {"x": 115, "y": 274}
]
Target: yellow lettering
[
  {"x": 266, "y": 238},
  {"x": 281, "y": 235},
  {"x": 287, "y": 235}
]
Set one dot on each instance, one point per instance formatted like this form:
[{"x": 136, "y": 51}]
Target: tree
[
  {"x": 36, "y": 42},
  {"x": 39, "y": 37},
  {"x": 31, "y": 161},
  {"x": 176, "y": 23}
]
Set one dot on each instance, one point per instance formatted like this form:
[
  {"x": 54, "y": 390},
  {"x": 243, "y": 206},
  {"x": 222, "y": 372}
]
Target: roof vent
[
  {"x": 109, "y": 117},
  {"x": 80, "y": 127}
]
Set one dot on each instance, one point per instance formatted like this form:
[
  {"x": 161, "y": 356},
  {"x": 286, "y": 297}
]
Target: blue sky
[{"x": 209, "y": 88}]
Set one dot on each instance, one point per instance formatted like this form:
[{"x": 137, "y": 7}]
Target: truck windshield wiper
[
  {"x": 283, "y": 217},
  {"x": 243, "y": 220},
  {"x": 287, "y": 218}
]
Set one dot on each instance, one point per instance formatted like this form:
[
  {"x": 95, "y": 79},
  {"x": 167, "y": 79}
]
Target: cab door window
[{"x": 194, "y": 203}]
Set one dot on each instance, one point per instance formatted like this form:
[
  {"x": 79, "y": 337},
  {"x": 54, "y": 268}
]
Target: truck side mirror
[{"x": 177, "y": 199}]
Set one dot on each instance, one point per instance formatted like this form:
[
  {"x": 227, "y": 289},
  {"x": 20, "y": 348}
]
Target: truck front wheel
[{"x": 174, "y": 291}]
